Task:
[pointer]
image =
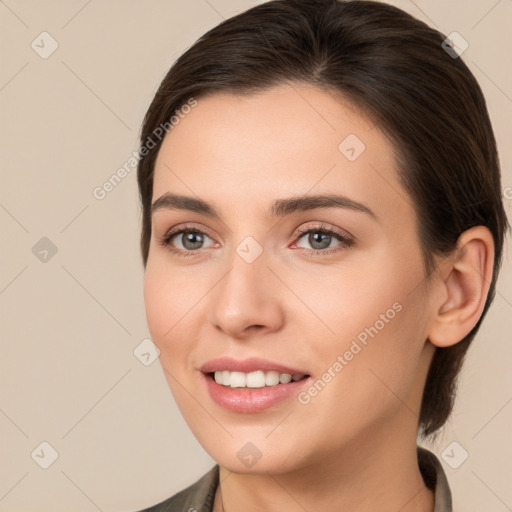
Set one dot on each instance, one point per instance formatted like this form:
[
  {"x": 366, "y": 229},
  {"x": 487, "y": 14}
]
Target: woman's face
[{"x": 350, "y": 310}]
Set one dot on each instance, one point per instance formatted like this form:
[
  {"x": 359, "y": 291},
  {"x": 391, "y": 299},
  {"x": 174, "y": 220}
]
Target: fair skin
[{"x": 353, "y": 446}]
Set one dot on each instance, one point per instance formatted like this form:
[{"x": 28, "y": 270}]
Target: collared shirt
[{"x": 199, "y": 497}]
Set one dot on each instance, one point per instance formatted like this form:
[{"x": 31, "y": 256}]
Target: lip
[
  {"x": 248, "y": 365},
  {"x": 252, "y": 400}
]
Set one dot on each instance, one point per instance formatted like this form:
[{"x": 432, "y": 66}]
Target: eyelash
[{"x": 346, "y": 242}]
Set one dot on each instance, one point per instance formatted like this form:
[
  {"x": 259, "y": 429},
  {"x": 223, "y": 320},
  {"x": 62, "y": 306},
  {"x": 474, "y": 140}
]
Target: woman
[{"x": 322, "y": 233}]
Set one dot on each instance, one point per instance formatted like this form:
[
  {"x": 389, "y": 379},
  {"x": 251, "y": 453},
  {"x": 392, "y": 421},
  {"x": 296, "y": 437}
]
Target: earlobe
[{"x": 463, "y": 291}]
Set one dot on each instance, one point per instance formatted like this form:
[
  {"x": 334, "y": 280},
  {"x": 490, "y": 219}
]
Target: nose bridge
[
  {"x": 247, "y": 283},
  {"x": 246, "y": 295}
]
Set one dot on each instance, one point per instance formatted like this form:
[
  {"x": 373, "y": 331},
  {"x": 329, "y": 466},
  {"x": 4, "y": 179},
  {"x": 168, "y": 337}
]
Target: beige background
[{"x": 69, "y": 325}]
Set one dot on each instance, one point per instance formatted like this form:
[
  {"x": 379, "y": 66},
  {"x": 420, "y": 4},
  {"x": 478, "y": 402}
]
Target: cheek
[
  {"x": 378, "y": 370},
  {"x": 166, "y": 316},
  {"x": 374, "y": 318},
  {"x": 158, "y": 306},
  {"x": 175, "y": 302},
  {"x": 340, "y": 303},
  {"x": 167, "y": 302},
  {"x": 385, "y": 370}
]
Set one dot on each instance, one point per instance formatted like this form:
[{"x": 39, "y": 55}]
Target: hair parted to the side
[{"x": 391, "y": 67}]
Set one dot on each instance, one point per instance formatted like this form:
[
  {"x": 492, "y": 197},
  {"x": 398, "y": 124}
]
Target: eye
[
  {"x": 321, "y": 237},
  {"x": 185, "y": 241},
  {"x": 188, "y": 241}
]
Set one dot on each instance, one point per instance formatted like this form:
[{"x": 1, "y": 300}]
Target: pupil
[
  {"x": 191, "y": 237},
  {"x": 324, "y": 243}
]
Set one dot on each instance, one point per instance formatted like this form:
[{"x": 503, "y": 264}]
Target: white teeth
[
  {"x": 271, "y": 378},
  {"x": 256, "y": 379},
  {"x": 284, "y": 378},
  {"x": 238, "y": 380}
]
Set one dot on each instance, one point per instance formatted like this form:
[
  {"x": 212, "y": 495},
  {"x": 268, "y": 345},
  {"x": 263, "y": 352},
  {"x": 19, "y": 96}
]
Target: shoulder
[{"x": 197, "y": 497}]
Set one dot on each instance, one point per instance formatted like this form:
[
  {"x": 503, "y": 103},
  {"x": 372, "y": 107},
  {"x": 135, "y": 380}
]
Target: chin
[{"x": 254, "y": 458}]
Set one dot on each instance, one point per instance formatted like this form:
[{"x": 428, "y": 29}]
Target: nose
[{"x": 248, "y": 299}]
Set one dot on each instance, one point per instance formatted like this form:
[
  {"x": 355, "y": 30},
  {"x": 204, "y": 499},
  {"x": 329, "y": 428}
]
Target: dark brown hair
[{"x": 393, "y": 68}]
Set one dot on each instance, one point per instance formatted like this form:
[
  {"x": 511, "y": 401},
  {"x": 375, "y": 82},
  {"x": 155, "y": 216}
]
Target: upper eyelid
[
  {"x": 180, "y": 229},
  {"x": 325, "y": 227}
]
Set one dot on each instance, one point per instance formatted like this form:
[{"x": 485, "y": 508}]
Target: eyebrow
[{"x": 279, "y": 208}]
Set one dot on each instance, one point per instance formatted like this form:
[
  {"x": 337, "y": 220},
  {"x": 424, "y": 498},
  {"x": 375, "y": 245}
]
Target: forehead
[{"x": 290, "y": 140}]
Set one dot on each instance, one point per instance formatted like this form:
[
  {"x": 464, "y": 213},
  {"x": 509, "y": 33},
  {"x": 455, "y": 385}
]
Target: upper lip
[{"x": 248, "y": 365}]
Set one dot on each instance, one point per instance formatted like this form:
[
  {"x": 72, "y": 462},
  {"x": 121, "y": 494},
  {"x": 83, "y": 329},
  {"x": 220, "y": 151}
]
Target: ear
[{"x": 465, "y": 278}]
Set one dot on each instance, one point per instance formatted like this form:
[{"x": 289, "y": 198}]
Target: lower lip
[{"x": 252, "y": 399}]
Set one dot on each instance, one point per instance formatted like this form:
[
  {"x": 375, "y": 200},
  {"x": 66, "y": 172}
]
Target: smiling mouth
[{"x": 254, "y": 380}]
